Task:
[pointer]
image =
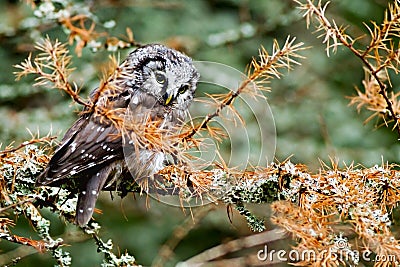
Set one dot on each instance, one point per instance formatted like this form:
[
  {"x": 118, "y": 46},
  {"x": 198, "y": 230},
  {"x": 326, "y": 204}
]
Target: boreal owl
[{"x": 154, "y": 82}]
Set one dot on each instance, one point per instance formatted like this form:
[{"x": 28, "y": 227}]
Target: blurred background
[{"x": 313, "y": 119}]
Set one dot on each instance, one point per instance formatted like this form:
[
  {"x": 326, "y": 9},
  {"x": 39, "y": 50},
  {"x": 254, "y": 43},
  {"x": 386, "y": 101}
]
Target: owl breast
[{"x": 145, "y": 164}]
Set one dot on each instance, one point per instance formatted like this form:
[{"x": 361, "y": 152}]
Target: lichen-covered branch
[{"x": 309, "y": 205}]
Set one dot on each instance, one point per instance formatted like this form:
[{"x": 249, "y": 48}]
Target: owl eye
[
  {"x": 160, "y": 78},
  {"x": 183, "y": 89}
]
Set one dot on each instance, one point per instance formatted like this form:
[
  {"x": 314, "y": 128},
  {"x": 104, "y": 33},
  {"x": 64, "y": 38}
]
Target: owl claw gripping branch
[{"x": 156, "y": 83}]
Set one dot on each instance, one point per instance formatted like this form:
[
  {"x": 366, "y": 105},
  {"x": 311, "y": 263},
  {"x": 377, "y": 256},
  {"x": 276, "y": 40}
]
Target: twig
[
  {"x": 25, "y": 251},
  {"x": 236, "y": 245},
  {"x": 179, "y": 233},
  {"x": 17, "y": 204},
  {"x": 362, "y": 56},
  {"x": 263, "y": 71},
  {"x": 26, "y": 143},
  {"x": 226, "y": 102}
]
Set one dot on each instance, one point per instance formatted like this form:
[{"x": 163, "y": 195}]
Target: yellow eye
[
  {"x": 160, "y": 78},
  {"x": 183, "y": 89}
]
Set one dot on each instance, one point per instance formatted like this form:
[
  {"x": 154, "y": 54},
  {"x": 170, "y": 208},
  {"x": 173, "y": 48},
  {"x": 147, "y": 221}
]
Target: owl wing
[
  {"x": 86, "y": 145},
  {"x": 89, "y": 143}
]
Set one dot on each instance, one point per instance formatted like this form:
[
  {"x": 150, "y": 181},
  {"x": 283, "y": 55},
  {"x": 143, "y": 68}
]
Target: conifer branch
[{"x": 380, "y": 51}]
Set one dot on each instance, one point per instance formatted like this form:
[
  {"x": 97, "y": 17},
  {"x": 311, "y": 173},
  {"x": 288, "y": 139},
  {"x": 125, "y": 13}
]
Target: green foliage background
[{"x": 312, "y": 116}]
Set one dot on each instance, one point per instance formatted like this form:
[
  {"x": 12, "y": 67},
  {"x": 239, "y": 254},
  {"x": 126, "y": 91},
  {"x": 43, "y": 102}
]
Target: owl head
[{"x": 164, "y": 73}]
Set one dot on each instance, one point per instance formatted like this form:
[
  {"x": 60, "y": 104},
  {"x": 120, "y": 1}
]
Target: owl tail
[{"x": 87, "y": 198}]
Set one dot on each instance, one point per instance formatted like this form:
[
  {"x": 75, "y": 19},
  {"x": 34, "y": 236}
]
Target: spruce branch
[
  {"x": 317, "y": 207},
  {"x": 312, "y": 204},
  {"x": 378, "y": 57},
  {"x": 40, "y": 140},
  {"x": 83, "y": 27},
  {"x": 259, "y": 73},
  {"x": 52, "y": 67}
]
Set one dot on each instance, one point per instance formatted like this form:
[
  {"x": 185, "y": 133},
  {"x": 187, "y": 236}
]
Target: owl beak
[{"x": 167, "y": 98}]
